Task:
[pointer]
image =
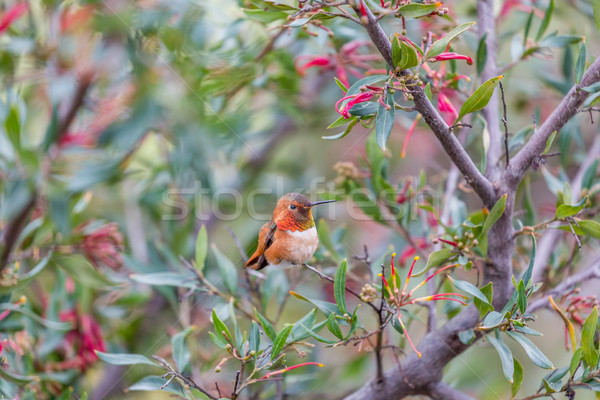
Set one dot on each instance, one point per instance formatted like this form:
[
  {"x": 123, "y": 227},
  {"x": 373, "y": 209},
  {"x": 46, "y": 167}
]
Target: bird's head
[{"x": 293, "y": 212}]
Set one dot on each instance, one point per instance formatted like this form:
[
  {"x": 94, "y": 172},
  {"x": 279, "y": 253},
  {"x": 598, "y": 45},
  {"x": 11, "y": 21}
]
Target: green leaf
[
  {"x": 470, "y": 289},
  {"x": 532, "y": 351},
  {"x": 526, "y": 278},
  {"x": 299, "y": 333},
  {"x": 480, "y": 98},
  {"x": 267, "y": 326},
  {"x": 26, "y": 278},
  {"x": 575, "y": 360},
  {"x": 220, "y": 328},
  {"x": 435, "y": 259},
  {"x": 152, "y": 383},
  {"x": 588, "y": 176},
  {"x": 279, "y": 341},
  {"x": 549, "y": 142},
  {"x": 566, "y": 210},
  {"x": 488, "y": 291},
  {"x": 325, "y": 307},
  {"x": 325, "y": 239},
  {"x": 165, "y": 279},
  {"x": 546, "y": 21},
  {"x": 17, "y": 378},
  {"x": 580, "y": 64},
  {"x": 591, "y": 228},
  {"x": 528, "y": 27},
  {"x": 345, "y": 132},
  {"x": 181, "y": 354},
  {"x": 80, "y": 269},
  {"x": 466, "y": 336},
  {"x": 318, "y": 337},
  {"x": 404, "y": 55},
  {"x": 521, "y": 297},
  {"x": 590, "y": 353},
  {"x": 494, "y": 215},
  {"x": 481, "y": 54},
  {"x": 494, "y": 318},
  {"x": 254, "y": 338},
  {"x": 298, "y": 22},
  {"x": 428, "y": 90},
  {"x": 227, "y": 269},
  {"x": 339, "y": 286},
  {"x": 593, "y": 88},
  {"x": 124, "y": 358},
  {"x": 369, "y": 80},
  {"x": 518, "y": 377},
  {"x": 596, "y": 9},
  {"x": 334, "y": 326},
  {"x": 506, "y": 357},
  {"x": 416, "y": 10},
  {"x": 384, "y": 121},
  {"x": 441, "y": 45},
  {"x": 201, "y": 248},
  {"x": 341, "y": 85}
]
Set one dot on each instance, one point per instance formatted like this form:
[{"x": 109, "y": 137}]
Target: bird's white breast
[{"x": 301, "y": 246}]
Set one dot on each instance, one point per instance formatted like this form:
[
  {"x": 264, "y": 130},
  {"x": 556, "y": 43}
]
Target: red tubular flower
[
  {"x": 103, "y": 246},
  {"x": 451, "y": 56},
  {"x": 11, "y": 15},
  {"x": 447, "y": 109},
  {"x": 412, "y": 128},
  {"x": 82, "y": 341},
  {"x": 356, "y": 99},
  {"x": 281, "y": 371},
  {"x": 314, "y": 61}
]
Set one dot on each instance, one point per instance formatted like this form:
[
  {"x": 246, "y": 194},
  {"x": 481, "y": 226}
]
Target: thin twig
[
  {"x": 172, "y": 373},
  {"x": 504, "y": 121},
  {"x": 378, "y": 357},
  {"x": 330, "y": 279},
  {"x": 573, "y": 232}
]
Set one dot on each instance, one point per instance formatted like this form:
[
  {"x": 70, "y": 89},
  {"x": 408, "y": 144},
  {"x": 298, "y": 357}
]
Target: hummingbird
[{"x": 290, "y": 237}]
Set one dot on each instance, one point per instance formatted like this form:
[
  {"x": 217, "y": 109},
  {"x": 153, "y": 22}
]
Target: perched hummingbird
[{"x": 290, "y": 237}]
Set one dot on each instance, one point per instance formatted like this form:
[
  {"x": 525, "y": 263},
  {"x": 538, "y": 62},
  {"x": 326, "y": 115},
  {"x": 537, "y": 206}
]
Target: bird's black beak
[{"x": 321, "y": 202}]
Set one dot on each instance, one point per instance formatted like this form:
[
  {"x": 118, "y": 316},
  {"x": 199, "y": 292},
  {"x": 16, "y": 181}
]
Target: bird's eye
[{"x": 292, "y": 207}]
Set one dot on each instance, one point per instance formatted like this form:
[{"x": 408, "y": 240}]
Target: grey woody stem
[
  {"x": 568, "y": 107},
  {"x": 432, "y": 117}
]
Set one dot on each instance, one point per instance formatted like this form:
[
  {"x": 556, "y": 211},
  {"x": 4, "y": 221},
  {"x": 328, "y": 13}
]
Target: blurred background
[{"x": 127, "y": 126}]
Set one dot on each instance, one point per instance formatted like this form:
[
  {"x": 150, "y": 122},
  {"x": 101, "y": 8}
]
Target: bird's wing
[{"x": 265, "y": 240}]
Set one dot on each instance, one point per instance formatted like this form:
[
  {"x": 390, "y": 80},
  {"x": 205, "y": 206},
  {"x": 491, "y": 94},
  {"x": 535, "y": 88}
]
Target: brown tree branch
[
  {"x": 443, "y": 391},
  {"x": 450, "y": 143},
  {"x": 568, "y": 107},
  {"x": 591, "y": 272}
]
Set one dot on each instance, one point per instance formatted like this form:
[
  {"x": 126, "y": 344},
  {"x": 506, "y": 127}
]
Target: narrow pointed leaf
[
  {"x": 441, "y": 45},
  {"x": 517, "y": 377},
  {"x": 506, "y": 357},
  {"x": 124, "y": 358},
  {"x": 480, "y": 97},
  {"x": 470, "y": 289},
  {"x": 526, "y": 278},
  {"x": 339, "y": 287},
  {"x": 416, "y": 10},
  {"x": 580, "y": 65},
  {"x": 384, "y": 121},
  {"x": 220, "y": 327},
  {"x": 267, "y": 326},
  {"x": 201, "y": 248},
  {"x": 279, "y": 341},
  {"x": 532, "y": 351},
  {"x": 334, "y": 327},
  {"x": 590, "y": 353},
  {"x": 545, "y": 21}
]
